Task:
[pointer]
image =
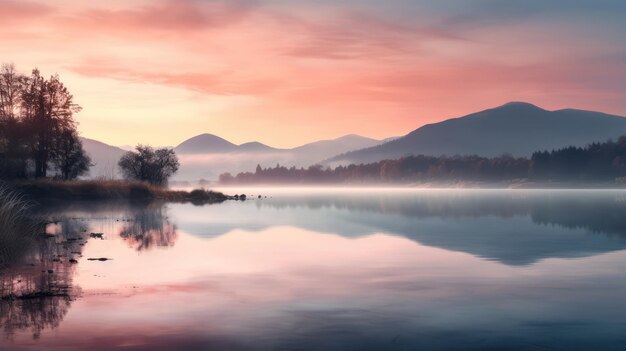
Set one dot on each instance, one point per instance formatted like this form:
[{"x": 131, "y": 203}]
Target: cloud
[
  {"x": 355, "y": 35},
  {"x": 319, "y": 65},
  {"x": 169, "y": 15},
  {"x": 16, "y": 11},
  {"x": 224, "y": 83}
]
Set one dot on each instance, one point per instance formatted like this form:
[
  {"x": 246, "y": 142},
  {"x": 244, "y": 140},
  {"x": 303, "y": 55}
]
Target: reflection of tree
[
  {"x": 31, "y": 310},
  {"x": 149, "y": 228},
  {"x": 36, "y": 291}
]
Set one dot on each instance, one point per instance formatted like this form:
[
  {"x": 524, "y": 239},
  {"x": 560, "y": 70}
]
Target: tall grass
[{"x": 17, "y": 228}]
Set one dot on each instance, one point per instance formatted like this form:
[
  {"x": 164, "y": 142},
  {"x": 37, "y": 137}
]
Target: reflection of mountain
[{"x": 511, "y": 227}]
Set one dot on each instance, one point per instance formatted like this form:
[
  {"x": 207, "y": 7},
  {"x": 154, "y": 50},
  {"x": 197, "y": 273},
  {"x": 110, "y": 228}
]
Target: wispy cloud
[
  {"x": 14, "y": 11},
  {"x": 303, "y": 67}
]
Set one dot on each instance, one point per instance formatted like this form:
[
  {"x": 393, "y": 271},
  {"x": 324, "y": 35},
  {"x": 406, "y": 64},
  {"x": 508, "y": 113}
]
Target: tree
[
  {"x": 11, "y": 85},
  {"x": 70, "y": 159},
  {"x": 13, "y": 149},
  {"x": 149, "y": 165},
  {"x": 48, "y": 110},
  {"x": 35, "y": 115}
]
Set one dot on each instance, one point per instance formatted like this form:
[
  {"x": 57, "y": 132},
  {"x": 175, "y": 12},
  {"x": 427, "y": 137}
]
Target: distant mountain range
[
  {"x": 206, "y": 156},
  {"x": 516, "y": 128}
]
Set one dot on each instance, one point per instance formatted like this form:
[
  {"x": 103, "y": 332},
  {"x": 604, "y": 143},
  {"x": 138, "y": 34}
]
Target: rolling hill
[{"x": 516, "y": 128}]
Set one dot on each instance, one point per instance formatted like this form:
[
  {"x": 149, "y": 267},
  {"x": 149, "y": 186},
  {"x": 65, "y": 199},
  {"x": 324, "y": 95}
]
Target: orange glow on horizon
[{"x": 160, "y": 72}]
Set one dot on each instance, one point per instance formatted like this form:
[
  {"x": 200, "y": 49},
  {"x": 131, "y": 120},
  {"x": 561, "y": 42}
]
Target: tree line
[
  {"x": 596, "y": 162},
  {"x": 39, "y": 138}
]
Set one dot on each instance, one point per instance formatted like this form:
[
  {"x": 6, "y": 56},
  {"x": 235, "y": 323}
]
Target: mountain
[
  {"x": 346, "y": 142},
  {"x": 255, "y": 146},
  {"x": 104, "y": 157},
  {"x": 516, "y": 128},
  {"x": 205, "y": 143},
  {"x": 206, "y": 156}
]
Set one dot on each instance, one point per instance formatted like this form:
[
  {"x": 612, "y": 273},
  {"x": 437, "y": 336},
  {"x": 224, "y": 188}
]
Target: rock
[
  {"x": 102, "y": 259},
  {"x": 73, "y": 261},
  {"x": 242, "y": 197},
  {"x": 50, "y": 271},
  {"x": 259, "y": 196},
  {"x": 97, "y": 235}
]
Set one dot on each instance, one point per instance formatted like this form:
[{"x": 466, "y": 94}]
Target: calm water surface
[{"x": 329, "y": 270}]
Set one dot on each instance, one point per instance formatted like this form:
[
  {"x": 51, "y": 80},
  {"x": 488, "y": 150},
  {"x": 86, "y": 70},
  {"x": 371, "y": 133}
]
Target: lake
[{"x": 328, "y": 269}]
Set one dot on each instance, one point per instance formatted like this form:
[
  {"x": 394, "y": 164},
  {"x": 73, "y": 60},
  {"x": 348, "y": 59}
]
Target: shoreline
[
  {"x": 509, "y": 185},
  {"x": 95, "y": 190}
]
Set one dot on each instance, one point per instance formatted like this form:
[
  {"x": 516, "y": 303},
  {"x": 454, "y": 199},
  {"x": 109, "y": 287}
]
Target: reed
[{"x": 17, "y": 228}]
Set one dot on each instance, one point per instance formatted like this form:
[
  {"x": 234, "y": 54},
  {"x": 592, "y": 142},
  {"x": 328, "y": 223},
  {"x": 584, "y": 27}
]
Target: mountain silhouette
[
  {"x": 350, "y": 142},
  {"x": 104, "y": 158},
  {"x": 516, "y": 128},
  {"x": 205, "y": 143},
  {"x": 206, "y": 156},
  {"x": 255, "y": 146}
]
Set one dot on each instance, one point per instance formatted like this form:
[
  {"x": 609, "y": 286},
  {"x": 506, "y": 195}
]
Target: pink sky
[{"x": 286, "y": 73}]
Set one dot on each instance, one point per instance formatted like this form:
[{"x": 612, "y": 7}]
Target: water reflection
[
  {"x": 149, "y": 228},
  {"x": 512, "y": 227},
  {"x": 322, "y": 271},
  {"x": 37, "y": 290},
  {"x": 143, "y": 225}
]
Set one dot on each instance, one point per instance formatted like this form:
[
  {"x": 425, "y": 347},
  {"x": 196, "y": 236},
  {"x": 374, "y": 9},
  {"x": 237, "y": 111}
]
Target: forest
[{"x": 597, "y": 162}]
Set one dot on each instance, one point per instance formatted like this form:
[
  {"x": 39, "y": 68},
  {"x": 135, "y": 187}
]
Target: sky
[{"x": 289, "y": 72}]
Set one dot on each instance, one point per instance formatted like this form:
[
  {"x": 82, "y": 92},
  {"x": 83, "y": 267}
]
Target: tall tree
[
  {"x": 13, "y": 151},
  {"x": 11, "y": 85},
  {"x": 48, "y": 109}
]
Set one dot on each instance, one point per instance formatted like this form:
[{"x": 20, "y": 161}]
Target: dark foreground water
[{"x": 328, "y": 270}]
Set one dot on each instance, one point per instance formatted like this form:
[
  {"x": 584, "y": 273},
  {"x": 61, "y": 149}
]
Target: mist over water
[{"x": 330, "y": 269}]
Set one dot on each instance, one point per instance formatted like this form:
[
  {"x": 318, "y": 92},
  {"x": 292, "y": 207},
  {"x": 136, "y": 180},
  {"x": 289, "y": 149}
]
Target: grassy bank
[
  {"x": 110, "y": 190},
  {"x": 17, "y": 228}
]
